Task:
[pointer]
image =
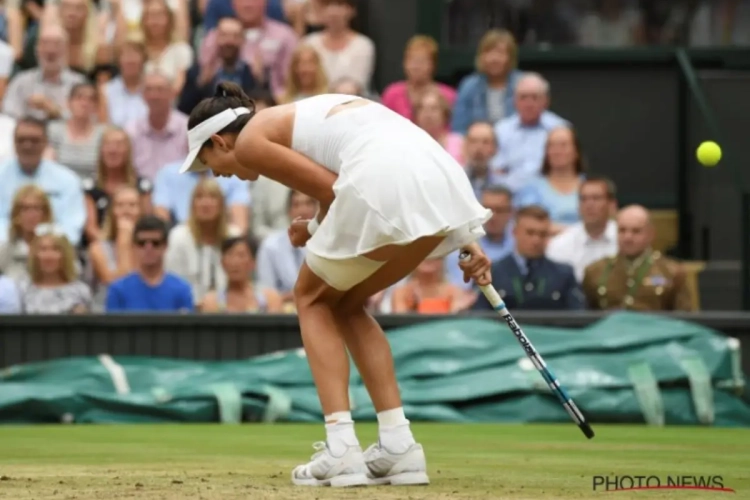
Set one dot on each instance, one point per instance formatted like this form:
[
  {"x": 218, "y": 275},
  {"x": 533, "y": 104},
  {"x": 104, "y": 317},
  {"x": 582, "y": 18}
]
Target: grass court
[{"x": 249, "y": 462}]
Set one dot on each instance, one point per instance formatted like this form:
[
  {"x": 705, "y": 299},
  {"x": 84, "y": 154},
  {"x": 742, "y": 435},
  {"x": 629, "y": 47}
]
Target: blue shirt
[
  {"x": 173, "y": 190},
  {"x": 10, "y": 302},
  {"x": 62, "y": 186},
  {"x": 562, "y": 208},
  {"x": 278, "y": 262},
  {"x": 131, "y": 293},
  {"x": 495, "y": 250},
  {"x": 521, "y": 149}
]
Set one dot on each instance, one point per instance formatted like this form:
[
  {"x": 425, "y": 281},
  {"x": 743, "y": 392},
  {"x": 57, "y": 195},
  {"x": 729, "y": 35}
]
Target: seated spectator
[
  {"x": 489, "y": 93},
  {"x": 30, "y": 208},
  {"x": 522, "y": 137},
  {"x": 305, "y": 16},
  {"x": 611, "y": 24},
  {"x": 149, "y": 287},
  {"x": 239, "y": 295},
  {"x": 85, "y": 30},
  {"x": 114, "y": 170},
  {"x": 480, "y": 146},
  {"x": 343, "y": 52},
  {"x": 433, "y": 114},
  {"x": 10, "y": 302},
  {"x": 637, "y": 278},
  {"x": 267, "y": 48},
  {"x": 428, "y": 292},
  {"x": 166, "y": 51},
  {"x": 121, "y": 99},
  {"x": 278, "y": 261},
  {"x": 75, "y": 142},
  {"x": 161, "y": 136},
  {"x": 173, "y": 193},
  {"x": 202, "y": 80},
  {"x": 111, "y": 255},
  {"x": 420, "y": 63},
  {"x": 42, "y": 92},
  {"x": 194, "y": 249},
  {"x": 129, "y": 18},
  {"x": 347, "y": 86},
  {"x": 307, "y": 78},
  {"x": 498, "y": 241},
  {"x": 562, "y": 175},
  {"x": 526, "y": 279},
  {"x": 62, "y": 185},
  {"x": 52, "y": 287},
  {"x": 595, "y": 237}
]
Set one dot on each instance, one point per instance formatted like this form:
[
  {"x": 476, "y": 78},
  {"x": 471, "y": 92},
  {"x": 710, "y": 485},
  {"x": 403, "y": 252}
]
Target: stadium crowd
[{"x": 95, "y": 217}]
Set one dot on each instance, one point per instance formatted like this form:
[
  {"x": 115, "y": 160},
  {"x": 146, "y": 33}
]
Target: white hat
[{"x": 198, "y": 135}]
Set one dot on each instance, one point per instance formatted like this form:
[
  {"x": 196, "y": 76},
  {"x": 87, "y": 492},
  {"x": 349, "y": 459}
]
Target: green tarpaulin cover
[{"x": 626, "y": 368}]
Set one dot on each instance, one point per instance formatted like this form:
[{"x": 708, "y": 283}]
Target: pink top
[
  {"x": 152, "y": 149},
  {"x": 274, "y": 43},
  {"x": 454, "y": 144},
  {"x": 396, "y": 97}
]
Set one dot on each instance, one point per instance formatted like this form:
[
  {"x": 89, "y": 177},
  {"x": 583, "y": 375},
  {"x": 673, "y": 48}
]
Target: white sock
[
  {"x": 340, "y": 432},
  {"x": 394, "y": 431}
]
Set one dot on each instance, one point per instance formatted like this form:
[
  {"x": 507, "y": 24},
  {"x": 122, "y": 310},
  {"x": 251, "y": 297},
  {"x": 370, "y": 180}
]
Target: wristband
[{"x": 312, "y": 226}]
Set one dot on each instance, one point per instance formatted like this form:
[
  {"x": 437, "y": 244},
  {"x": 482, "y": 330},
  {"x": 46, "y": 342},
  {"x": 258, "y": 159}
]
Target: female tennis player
[{"x": 390, "y": 197}]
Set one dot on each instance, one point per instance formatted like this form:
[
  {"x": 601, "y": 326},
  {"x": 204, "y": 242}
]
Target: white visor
[{"x": 198, "y": 135}]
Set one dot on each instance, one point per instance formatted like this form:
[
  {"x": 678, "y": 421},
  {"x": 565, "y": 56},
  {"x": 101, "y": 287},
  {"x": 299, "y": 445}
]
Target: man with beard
[
  {"x": 202, "y": 79},
  {"x": 480, "y": 147}
]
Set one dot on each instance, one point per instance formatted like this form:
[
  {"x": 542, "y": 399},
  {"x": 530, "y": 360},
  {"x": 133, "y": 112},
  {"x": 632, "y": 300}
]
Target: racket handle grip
[{"x": 488, "y": 290}]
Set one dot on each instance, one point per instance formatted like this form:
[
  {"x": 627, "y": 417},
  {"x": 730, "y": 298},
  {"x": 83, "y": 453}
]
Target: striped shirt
[{"x": 79, "y": 156}]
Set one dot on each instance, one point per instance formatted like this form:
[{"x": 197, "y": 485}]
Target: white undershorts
[{"x": 342, "y": 274}]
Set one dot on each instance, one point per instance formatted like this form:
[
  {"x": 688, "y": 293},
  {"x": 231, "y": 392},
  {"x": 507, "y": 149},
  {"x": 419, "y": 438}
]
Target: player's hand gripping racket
[{"x": 497, "y": 303}]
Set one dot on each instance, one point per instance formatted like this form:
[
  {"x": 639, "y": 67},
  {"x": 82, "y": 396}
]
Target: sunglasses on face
[{"x": 156, "y": 243}]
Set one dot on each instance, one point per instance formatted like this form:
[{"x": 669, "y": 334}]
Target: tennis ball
[{"x": 709, "y": 153}]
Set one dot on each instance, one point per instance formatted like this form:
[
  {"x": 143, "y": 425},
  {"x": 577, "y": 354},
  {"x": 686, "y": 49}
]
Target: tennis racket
[{"x": 498, "y": 305}]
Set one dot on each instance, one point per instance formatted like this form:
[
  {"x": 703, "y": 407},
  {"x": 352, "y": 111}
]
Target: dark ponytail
[{"x": 228, "y": 95}]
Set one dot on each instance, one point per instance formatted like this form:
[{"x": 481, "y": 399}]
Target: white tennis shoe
[
  {"x": 324, "y": 469},
  {"x": 405, "y": 469}
]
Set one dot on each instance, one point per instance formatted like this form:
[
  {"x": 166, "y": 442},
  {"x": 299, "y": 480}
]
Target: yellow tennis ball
[{"x": 709, "y": 153}]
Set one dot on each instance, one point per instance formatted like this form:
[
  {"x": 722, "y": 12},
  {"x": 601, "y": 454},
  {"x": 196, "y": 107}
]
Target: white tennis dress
[{"x": 396, "y": 183}]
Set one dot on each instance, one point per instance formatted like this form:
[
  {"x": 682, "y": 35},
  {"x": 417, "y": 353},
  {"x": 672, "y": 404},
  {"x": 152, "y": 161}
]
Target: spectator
[
  {"x": 611, "y": 24},
  {"x": 432, "y": 113},
  {"x": 307, "y": 77},
  {"x": 595, "y": 237},
  {"x": 10, "y": 302},
  {"x": 544, "y": 23},
  {"x": 526, "y": 279},
  {"x": 239, "y": 295},
  {"x": 114, "y": 170},
  {"x": 637, "y": 278},
  {"x": 278, "y": 261},
  {"x": 488, "y": 93},
  {"x": 149, "y": 287},
  {"x": 218, "y": 9},
  {"x": 84, "y": 27},
  {"x": 43, "y": 91},
  {"x": 75, "y": 142},
  {"x": 173, "y": 192},
  {"x": 161, "y": 136},
  {"x": 347, "y": 86},
  {"x": 121, "y": 99},
  {"x": 562, "y": 174},
  {"x": 62, "y": 185},
  {"x": 7, "y": 148},
  {"x": 194, "y": 250},
  {"x": 480, "y": 146},
  {"x": 306, "y": 16},
  {"x": 166, "y": 51},
  {"x": 420, "y": 63},
  {"x": 202, "y": 80},
  {"x": 428, "y": 292},
  {"x": 53, "y": 287},
  {"x": 129, "y": 18},
  {"x": 522, "y": 137},
  {"x": 268, "y": 44},
  {"x": 343, "y": 52},
  {"x": 30, "y": 208},
  {"x": 498, "y": 241},
  {"x": 111, "y": 255}
]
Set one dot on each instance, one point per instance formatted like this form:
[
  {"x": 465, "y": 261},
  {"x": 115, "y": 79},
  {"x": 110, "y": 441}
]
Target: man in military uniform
[
  {"x": 526, "y": 279},
  {"x": 637, "y": 278}
]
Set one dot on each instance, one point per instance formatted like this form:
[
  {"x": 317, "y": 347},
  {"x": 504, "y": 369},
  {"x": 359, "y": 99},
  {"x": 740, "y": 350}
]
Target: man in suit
[
  {"x": 526, "y": 279},
  {"x": 637, "y": 278}
]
